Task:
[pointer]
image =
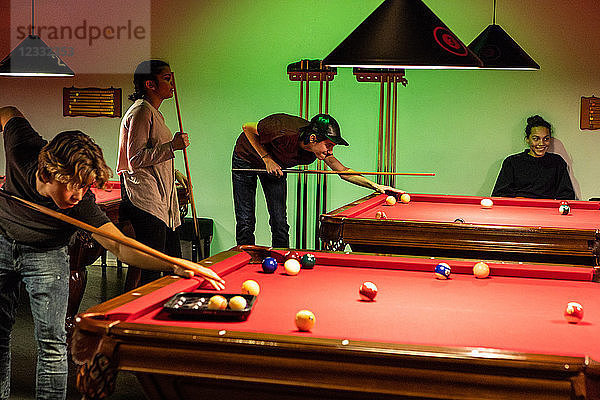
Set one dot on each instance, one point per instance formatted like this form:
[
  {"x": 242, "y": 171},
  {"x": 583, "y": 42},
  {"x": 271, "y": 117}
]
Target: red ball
[
  {"x": 292, "y": 254},
  {"x": 367, "y": 291},
  {"x": 573, "y": 312}
]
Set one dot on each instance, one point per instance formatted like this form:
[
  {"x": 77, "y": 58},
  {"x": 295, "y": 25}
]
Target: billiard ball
[
  {"x": 250, "y": 287},
  {"x": 481, "y": 270},
  {"x": 405, "y": 198},
  {"x": 390, "y": 200},
  {"x": 380, "y": 215},
  {"x": 564, "y": 209},
  {"x": 292, "y": 254},
  {"x": 305, "y": 320},
  {"x": 308, "y": 261},
  {"x": 217, "y": 302},
  {"x": 573, "y": 312},
  {"x": 367, "y": 291},
  {"x": 237, "y": 303},
  {"x": 291, "y": 266},
  {"x": 269, "y": 265},
  {"x": 487, "y": 203},
  {"x": 442, "y": 271}
]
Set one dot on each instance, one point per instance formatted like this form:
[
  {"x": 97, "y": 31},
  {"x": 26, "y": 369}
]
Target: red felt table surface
[
  {"x": 111, "y": 191},
  {"x": 505, "y": 211},
  {"x": 412, "y": 307}
]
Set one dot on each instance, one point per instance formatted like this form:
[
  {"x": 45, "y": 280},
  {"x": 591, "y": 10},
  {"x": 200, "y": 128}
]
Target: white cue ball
[
  {"x": 487, "y": 203},
  {"x": 291, "y": 266}
]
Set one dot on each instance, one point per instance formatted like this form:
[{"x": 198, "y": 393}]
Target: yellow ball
[
  {"x": 291, "y": 266},
  {"x": 481, "y": 270},
  {"x": 390, "y": 200},
  {"x": 217, "y": 302},
  {"x": 305, "y": 320},
  {"x": 405, "y": 198},
  {"x": 250, "y": 287},
  {"x": 237, "y": 303}
]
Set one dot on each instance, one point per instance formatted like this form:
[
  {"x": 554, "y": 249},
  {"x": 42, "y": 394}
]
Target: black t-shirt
[
  {"x": 22, "y": 145},
  {"x": 279, "y": 134},
  {"x": 523, "y": 175}
]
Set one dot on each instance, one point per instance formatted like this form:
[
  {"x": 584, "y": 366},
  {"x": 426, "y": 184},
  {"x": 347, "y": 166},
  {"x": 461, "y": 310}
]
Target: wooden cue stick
[
  {"x": 129, "y": 242},
  {"x": 328, "y": 172},
  {"x": 187, "y": 168}
]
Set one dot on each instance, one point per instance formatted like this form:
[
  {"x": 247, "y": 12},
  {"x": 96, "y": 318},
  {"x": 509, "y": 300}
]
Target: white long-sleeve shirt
[{"x": 146, "y": 161}]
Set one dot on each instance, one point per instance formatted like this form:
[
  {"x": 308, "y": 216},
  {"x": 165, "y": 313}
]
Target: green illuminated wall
[{"x": 230, "y": 59}]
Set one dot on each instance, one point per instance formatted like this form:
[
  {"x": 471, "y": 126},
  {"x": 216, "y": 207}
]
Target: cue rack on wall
[
  {"x": 388, "y": 116},
  {"x": 91, "y": 102},
  {"x": 304, "y": 72},
  {"x": 590, "y": 113}
]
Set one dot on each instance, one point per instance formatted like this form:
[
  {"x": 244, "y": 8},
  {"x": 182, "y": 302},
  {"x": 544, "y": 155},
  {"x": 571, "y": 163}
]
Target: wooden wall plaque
[
  {"x": 590, "y": 113},
  {"x": 91, "y": 102}
]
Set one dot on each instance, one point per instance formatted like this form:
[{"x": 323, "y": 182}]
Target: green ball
[{"x": 308, "y": 261}]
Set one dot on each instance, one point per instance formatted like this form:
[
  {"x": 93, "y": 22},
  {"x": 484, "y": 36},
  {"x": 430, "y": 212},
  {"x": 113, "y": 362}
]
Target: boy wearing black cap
[{"x": 277, "y": 142}]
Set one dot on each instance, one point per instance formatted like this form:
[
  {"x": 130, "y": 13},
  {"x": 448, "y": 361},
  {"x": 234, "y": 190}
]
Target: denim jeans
[
  {"x": 46, "y": 278},
  {"x": 244, "y": 199}
]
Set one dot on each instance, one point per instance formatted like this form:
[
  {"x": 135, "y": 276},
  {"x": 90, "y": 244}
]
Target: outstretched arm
[
  {"x": 143, "y": 260},
  {"x": 358, "y": 179}
]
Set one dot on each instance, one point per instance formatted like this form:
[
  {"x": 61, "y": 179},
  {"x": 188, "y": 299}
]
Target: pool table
[
  {"x": 461, "y": 338},
  {"x": 515, "y": 229}
]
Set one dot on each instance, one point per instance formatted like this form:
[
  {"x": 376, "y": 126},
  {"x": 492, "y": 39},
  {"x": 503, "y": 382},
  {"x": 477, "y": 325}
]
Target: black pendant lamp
[
  {"x": 33, "y": 57},
  {"x": 498, "y": 50},
  {"x": 403, "y": 34}
]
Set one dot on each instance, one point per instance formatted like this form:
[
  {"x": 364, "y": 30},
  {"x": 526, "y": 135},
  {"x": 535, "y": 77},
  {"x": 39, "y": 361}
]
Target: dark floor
[{"x": 98, "y": 289}]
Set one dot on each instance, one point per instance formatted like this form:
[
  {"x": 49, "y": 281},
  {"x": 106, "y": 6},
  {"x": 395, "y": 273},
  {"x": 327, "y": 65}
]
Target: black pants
[{"x": 152, "y": 232}]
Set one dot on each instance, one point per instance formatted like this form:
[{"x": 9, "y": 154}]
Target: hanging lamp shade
[
  {"x": 402, "y": 34},
  {"x": 33, "y": 57},
  {"x": 498, "y": 50}
]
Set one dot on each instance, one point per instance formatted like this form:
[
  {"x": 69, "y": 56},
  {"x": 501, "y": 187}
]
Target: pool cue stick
[
  {"x": 388, "y": 144},
  {"x": 129, "y": 242},
  {"x": 325, "y": 166},
  {"x": 305, "y": 177},
  {"x": 299, "y": 180},
  {"x": 380, "y": 130},
  {"x": 394, "y": 129},
  {"x": 319, "y": 166},
  {"x": 187, "y": 170},
  {"x": 331, "y": 172}
]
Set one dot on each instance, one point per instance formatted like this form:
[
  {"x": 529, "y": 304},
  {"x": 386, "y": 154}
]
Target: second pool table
[
  {"x": 462, "y": 338},
  {"x": 514, "y": 229}
]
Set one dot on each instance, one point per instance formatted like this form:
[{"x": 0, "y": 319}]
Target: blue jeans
[
  {"x": 244, "y": 199},
  {"x": 45, "y": 274}
]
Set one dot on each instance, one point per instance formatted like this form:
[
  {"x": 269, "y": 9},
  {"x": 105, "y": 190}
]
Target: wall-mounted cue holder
[
  {"x": 91, "y": 102},
  {"x": 590, "y": 113}
]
